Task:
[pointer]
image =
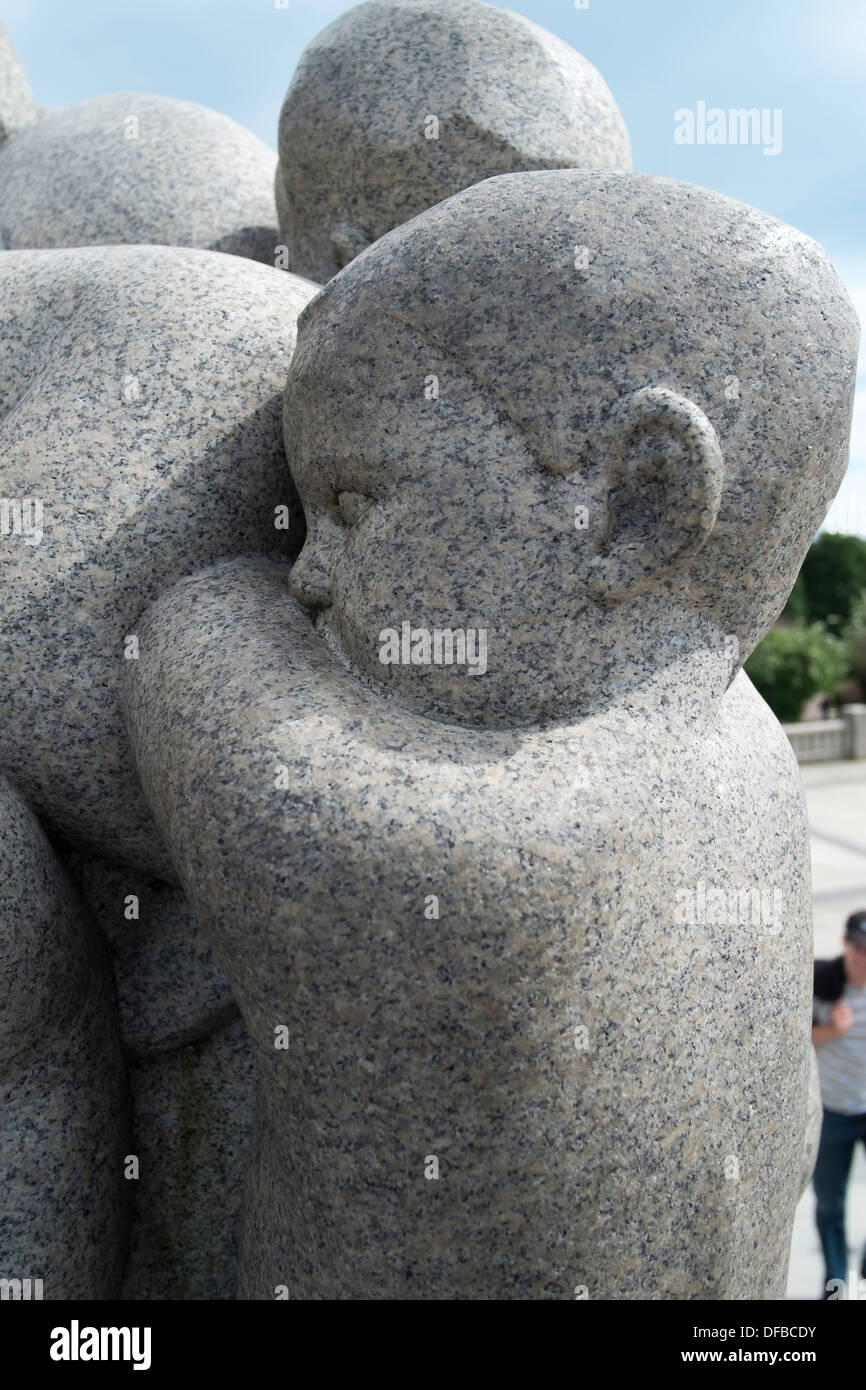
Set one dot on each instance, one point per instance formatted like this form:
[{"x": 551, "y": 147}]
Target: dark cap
[{"x": 855, "y": 928}]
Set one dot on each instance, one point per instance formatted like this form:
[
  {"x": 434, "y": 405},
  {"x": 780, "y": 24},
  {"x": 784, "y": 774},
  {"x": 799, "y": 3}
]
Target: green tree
[
  {"x": 793, "y": 663},
  {"x": 834, "y": 575},
  {"x": 795, "y": 609},
  {"x": 855, "y": 640}
]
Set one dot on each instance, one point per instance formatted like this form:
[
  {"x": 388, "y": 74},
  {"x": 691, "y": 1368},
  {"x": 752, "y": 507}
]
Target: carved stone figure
[
  {"x": 400, "y": 103},
  {"x": 503, "y": 856}
]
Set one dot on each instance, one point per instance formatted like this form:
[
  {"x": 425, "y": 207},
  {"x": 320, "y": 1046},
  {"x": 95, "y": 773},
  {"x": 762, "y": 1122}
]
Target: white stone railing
[{"x": 825, "y": 740}]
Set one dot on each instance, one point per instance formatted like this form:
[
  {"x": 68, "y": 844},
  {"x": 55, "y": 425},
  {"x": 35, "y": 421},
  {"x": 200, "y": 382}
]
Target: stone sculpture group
[{"x": 335, "y": 961}]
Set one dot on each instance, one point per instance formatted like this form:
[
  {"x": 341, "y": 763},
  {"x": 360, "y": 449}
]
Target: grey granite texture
[
  {"x": 17, "y": 107},
  {"x": 359, "y": 153},
  {"x": 137, "y": 168},
  {"x": 192, "y": 1081},
  {"x": 615, "y": 1098},
  {"x": 63, "y": 1087},
  {"x": 170, "y": 989},
  {"x": 679, "y": 365},
  {"x": 524, "y": 945},
  {"x": 140, "y": 398},
  {"x": 814, "y": 1116},
  {"x": 192, "y": 1118}
]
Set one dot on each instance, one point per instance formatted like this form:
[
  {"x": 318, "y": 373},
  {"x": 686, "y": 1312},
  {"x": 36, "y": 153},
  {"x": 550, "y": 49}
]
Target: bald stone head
[
  {"x": 599, "y": 416},
  {"x": 401, "y": 103},
  {"x": 17, "y": 107},
  {"x": 136, "y": 168}
]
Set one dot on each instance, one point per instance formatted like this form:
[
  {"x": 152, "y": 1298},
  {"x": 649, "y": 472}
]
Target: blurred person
[{"x": 839, "y": 1035}]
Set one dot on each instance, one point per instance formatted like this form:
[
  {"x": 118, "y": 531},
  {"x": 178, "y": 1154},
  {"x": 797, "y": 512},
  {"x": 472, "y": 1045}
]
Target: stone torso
[{"x": 578, "y": 1065}]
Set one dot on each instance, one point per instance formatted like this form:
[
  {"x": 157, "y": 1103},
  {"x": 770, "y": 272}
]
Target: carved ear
[
  {"x": 347, "y": 242},
  {"x": 664, "y": 486}
]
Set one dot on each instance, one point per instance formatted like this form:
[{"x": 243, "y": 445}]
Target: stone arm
[{"x": 492, "y": 1060}]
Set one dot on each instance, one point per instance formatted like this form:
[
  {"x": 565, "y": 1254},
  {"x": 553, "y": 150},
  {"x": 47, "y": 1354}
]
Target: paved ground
[{"x": 836, "y": 798}]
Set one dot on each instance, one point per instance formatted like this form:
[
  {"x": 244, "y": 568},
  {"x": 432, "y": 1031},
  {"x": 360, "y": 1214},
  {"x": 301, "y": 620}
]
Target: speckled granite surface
[
  {"x": 523, "y": 949},
  {"x": 192, "y": 1083},
  {"x": 646, "y": 394},
  {"x": 133, "y": 167},
  {"x": 557, "y": 872},
  {"x": 398, "y": 104},
  {"x": 192, "y": 1117},
  {"x": 17, "y": 107},
  {"x": 64, "y": 1107},
  {"x": 170, "y": 989},
  {"x": 814, "y": 1116},
  {"x": 144, "y": 416},
  {"x": 520, "y": 934}
]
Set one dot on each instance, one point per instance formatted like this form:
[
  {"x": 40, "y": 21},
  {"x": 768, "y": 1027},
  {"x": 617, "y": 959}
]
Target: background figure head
[
  {"x": 401, "y": 103},
  {"x": 599, "y": 416},
  {"x": 854, "y": 946},
  {"x": 17, "y": 106},
  {"x": 134, "y": 168}
]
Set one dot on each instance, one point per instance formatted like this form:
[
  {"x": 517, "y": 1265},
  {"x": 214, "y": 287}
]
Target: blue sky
[{"x": 806, "y": 58}]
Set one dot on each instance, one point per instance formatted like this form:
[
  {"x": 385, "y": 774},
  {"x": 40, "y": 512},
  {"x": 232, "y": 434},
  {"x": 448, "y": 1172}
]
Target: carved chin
[{"x": 328, "y": 628}]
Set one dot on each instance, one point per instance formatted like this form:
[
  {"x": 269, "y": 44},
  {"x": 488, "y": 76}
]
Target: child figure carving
[{"x": 493, "y": 1060}]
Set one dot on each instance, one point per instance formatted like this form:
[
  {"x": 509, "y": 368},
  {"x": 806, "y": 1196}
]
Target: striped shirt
[{"x": 842, "y": 1061}]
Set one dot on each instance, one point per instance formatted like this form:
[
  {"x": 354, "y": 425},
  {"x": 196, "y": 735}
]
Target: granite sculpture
[
  {"x": 398, "y": 104},
  {"x": 64, "y": 1096},
  {"x": 141, "y": 439},
  {"x": 461, "y": 897},
  {"x": 812, "y": 1136},
  {"x": 421, "y": 840},
  {"x": 150, "y": 169},
  {"x": 17, "y": 107},
  {"x": 140, "y": 427},
  {"x": 138, "y": 168}
]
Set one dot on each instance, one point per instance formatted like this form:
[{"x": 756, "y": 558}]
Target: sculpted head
[
  {"x": 596, "y": 416},
  {"x": 401, "y": 103}
]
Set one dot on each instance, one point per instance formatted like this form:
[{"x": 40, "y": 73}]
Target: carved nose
[{"x": 308, "y": 581}]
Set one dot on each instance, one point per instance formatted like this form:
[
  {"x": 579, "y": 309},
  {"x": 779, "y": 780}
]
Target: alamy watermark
[
  {"x": 438, "y": 646},
  {"x": 77, "y": 1343},
  {"x": 855, "y": 1288},
  {"x": 711, "y": 905},
  {"x": 21, "y": 1289},
  {"x": 737, "y": 126},
  {"x": 21, "y": 516}
]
